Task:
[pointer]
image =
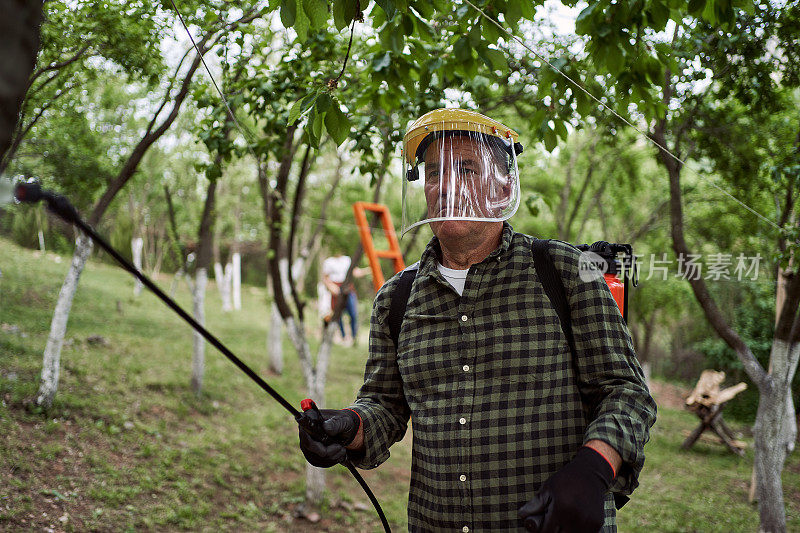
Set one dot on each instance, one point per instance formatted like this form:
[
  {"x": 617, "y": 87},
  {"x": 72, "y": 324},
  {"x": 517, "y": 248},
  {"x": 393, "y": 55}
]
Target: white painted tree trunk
[
  {"x": 41, "y": 241},
  {"x": 223, "y": 279},
  {"x": 315, "y": 484},
  {"x": 51, "y": 362},
  {"x": 237, "y": 281},
  {"x": 274, "y": 340},
  {"x": 199, "y": 345},
  {"x": 137, "y": 245},
  {"x": 774, "y": 436},
  {"x": 274, "y": 334},
  {"x": 315, "y": 376}
]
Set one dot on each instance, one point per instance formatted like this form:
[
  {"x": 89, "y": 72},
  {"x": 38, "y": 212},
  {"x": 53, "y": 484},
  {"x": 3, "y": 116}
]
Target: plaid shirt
[{"x": 497, "y": 402}]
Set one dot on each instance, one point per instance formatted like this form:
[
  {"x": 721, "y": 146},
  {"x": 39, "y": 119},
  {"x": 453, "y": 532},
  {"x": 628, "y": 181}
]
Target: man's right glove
[
  {"x": 572, "y": 500},
  {"x": 340, "y": 427}
]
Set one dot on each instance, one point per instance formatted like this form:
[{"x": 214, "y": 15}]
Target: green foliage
[
  {"x": 229, "y": 461},
  {"x": 754, "y": 321}
]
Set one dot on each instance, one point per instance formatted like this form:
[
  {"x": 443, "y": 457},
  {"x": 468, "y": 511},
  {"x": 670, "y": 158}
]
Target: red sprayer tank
[{"x": 614, "y": 260}]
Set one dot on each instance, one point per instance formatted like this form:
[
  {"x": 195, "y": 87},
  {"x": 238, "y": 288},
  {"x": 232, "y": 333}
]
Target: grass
[{"x": 127, "y": 446}]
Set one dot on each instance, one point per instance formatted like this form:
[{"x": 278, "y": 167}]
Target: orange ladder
[{"x": 360, "y": 210}]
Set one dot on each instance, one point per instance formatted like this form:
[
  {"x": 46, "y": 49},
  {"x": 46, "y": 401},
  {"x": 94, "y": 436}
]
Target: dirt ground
[{"x": 669, "y": 395}]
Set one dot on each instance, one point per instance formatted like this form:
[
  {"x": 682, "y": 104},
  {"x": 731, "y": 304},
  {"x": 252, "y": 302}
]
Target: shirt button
[
  {"x": 462, "y": 477},
  {"x": 462, "y": 421},
  {"x": 463, "y": 318},
  {"x": 466, "y": 368},
  {"x": 465, "y": 529}
]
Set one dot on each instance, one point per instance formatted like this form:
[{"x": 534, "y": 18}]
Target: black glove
[
  {"x": 340, "y": 428},
  {"x": 572, "y": 499}
]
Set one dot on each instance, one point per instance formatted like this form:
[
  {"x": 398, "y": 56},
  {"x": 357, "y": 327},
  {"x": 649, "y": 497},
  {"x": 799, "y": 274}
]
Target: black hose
[{"x": 59, "y": 205}]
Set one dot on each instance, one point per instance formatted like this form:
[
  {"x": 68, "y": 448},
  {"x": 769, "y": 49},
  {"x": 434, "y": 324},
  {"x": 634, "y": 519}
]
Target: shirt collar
[{"x": 433, "y": 251}]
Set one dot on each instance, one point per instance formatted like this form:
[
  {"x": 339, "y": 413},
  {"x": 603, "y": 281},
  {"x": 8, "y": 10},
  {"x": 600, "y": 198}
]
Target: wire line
[
  {"x": 620, "y": 117},
  {"x": 248, "y": 136}
]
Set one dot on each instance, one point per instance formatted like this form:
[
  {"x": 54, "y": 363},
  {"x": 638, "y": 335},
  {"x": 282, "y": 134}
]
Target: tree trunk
[
  {"x": 58, "y": 326},
  {"x": 19, "y": 47},
  {"x": 772, "y": 442},
  {"x": 204, "y": 251},
  {"x": 274, "y": 340},
  {"x": 236, "y": 281},
  {"x": 315, "y": 484},
  {"x": 199, "y": 344},
  {"x": 55, "y": 340},
  {"x": 223, "y": 279},
  {"x": 137, "y": 244}
]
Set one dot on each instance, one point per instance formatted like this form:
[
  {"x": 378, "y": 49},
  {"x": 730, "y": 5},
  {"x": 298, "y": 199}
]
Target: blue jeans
[{"x": 351, "y": 307}]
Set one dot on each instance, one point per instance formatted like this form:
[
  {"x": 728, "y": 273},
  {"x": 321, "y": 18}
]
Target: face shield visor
[{"x": 468, "y": 174}]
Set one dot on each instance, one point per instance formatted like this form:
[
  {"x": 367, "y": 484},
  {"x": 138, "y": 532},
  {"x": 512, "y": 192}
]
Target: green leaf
[
  {"x": 561, "y": 129},
  {"x": 288, "y": 12},
  {"x": 583, "y": 104},
  {"x": 513, "y": 13},
  {"x": 494, "y": 59},
  {"x": 424, "y": 30},
  {"x": 396, "y": 40},
  {"x": 583, "y": 23},
  {"x": 379, "y": 63},
  {"x": 301, "y": 25},
  {"x": 709, "y": 12},
  {"x": 462, "y": 50},
  {"x": 549, "y": 138},
  {"x": 337, "y": 124},
  {"x": 491, "y": 33},
  {"x": 301, "y": 106},
  {"x": 316, "y": 125},
  {"x": 317, "y": 13},
  {"x": 344, "y": 11},
  {"x": 388, "y": 8},
  {"x": 323, "y": 103},
  {"x": 659, "y": 15},
  {"x": 528, "y": 10},
  {"x": 615, "y": 60},
  {"x": 696, "y": 7}
]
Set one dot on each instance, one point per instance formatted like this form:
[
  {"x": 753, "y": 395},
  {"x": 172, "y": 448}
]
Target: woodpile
[{"x": 707, "y": 401}]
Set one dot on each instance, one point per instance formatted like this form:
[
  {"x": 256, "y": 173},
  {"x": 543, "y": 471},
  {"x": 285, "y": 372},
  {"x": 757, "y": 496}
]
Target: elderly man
[{"x": 513, "y": 428}]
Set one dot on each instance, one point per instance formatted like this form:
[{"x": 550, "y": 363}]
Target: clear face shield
[{"x": 460, "y": 175}]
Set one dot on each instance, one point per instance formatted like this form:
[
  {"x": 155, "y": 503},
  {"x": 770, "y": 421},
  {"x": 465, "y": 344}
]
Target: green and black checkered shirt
[{"x": 497, "y": 402}]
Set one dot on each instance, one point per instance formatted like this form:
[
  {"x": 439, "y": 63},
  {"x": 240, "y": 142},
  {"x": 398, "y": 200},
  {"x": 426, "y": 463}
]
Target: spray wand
[{"x": 32, "y": 192}]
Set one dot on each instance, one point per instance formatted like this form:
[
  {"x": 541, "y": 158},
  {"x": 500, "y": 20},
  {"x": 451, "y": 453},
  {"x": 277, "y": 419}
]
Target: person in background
[{"x": 334, "y": 271}]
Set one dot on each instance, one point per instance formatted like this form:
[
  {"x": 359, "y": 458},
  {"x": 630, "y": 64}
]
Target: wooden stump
[{"x": 707, "y": 402}]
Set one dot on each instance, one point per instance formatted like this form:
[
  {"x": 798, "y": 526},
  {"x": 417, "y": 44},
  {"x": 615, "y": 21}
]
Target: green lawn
[{"x": 127, "y": 446}]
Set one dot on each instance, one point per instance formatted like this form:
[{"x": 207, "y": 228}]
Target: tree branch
[
  {"x": 584, "y": 186},
  {"x": 298, "y": 200},
  {"x": 151, "y": 137},
  {"x": 276, "y": 203},
  {"x": 698, "y": 285},
  {"x": 359, "y": 251},
  {"x": 312, "y": 239},
  {"x": 57, "y": 66}
]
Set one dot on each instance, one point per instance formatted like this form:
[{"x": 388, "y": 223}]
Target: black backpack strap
[
  {"x": 397, "y": 309},
  {"x": 553, "y": 286}
]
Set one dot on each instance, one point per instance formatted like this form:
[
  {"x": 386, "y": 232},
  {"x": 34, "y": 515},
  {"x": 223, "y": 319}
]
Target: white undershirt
[{"x": 456, "y": 278}]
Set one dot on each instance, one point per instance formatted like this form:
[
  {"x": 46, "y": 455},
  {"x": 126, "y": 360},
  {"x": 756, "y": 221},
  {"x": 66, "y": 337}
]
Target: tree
[
  {"x": 750, "y": 77},
  {"x": 20, "y": 45},
  {"x": 78, "y": 40},
  {"x": 163, "y": 117}
]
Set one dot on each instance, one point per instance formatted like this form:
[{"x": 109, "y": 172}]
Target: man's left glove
[
  {"x": 572, "y": 499},
  {"x": 340, "y": 425}
]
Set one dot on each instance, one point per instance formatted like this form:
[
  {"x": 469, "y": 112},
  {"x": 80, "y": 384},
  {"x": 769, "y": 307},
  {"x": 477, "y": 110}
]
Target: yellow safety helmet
[{"x": 449, "y": 121}]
